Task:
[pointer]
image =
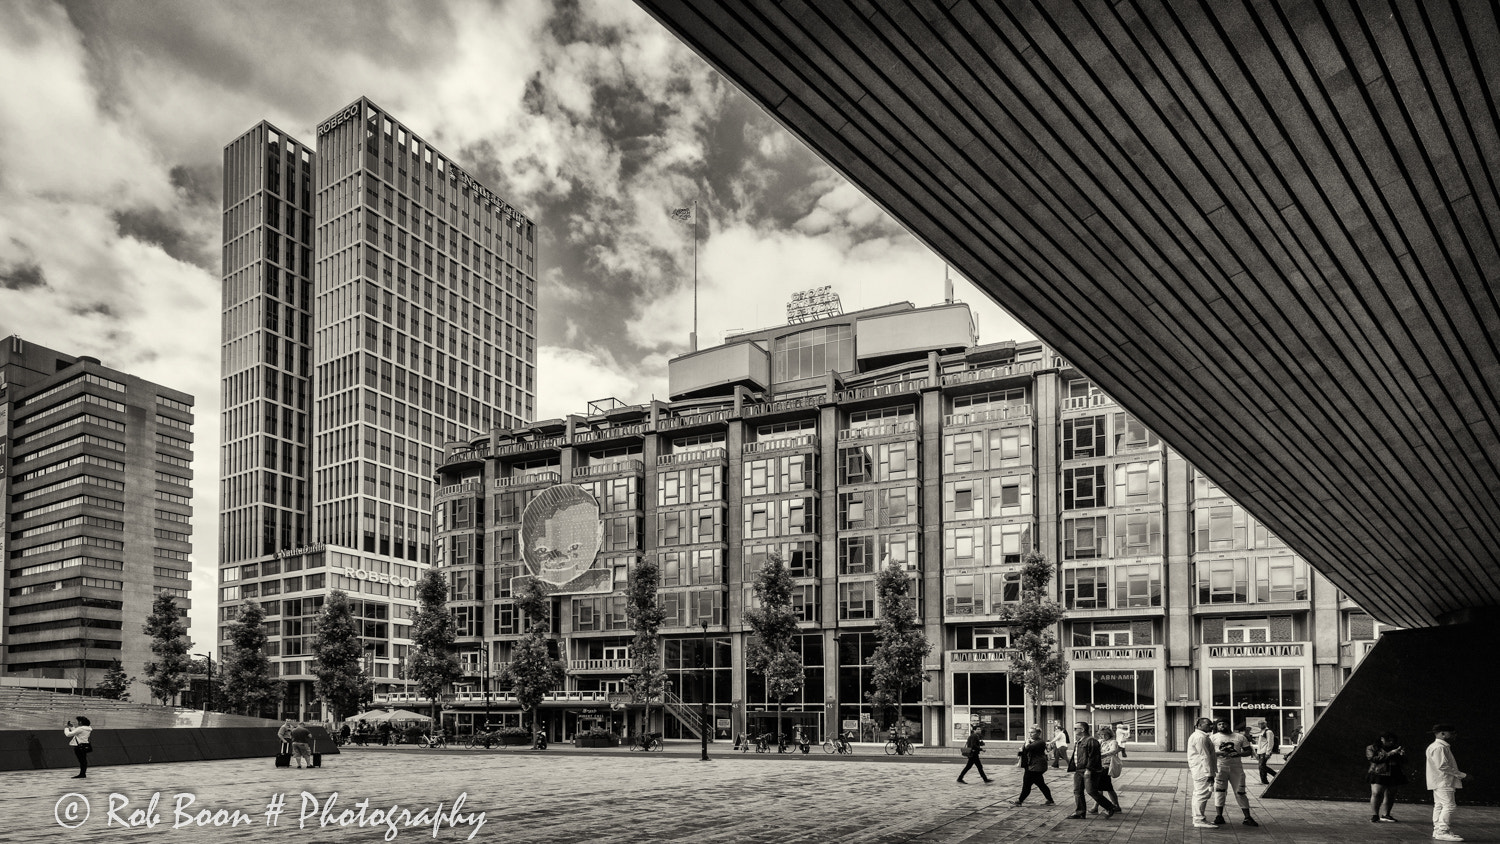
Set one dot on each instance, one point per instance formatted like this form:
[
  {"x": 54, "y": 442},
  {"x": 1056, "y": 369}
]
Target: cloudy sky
[{"x": 587, "y": 115}]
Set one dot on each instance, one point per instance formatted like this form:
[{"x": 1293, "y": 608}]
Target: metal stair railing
[{"x": 683, "y": 712}]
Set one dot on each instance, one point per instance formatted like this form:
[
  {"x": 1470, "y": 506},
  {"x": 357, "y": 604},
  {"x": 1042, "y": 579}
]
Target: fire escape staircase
[{"x": 683, "y": 712}]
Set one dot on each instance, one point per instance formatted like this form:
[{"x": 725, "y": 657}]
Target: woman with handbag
[
  {"x": 1110, "y": 753},
  {"x": 78, "y": 739}
]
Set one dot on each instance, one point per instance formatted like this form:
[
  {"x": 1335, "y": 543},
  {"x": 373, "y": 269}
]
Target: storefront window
[
  {"x": 682, "y": 658},
  {"x": 804, "y": 709},
  {"x": 855, "y": 682},
  {"x": 1256, "y": 695},
  {"x": 991, "y": 700},
  {"x": 1122, "y": 698}
]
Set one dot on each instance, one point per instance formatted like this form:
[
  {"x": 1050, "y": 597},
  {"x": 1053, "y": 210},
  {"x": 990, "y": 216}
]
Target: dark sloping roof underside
[{"x": 1268, "y": 229}]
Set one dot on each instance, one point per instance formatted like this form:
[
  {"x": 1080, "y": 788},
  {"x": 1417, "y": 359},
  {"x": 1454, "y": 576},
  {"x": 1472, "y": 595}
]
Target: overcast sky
[{"x": 588, "y": 116}]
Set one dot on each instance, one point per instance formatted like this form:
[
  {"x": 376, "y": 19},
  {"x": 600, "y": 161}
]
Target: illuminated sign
[
  {"x": 299, "y": 551},
  {"x": 561, "y": 533}
]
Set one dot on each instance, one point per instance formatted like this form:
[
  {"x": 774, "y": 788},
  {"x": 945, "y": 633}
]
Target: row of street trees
[{"x": 249, "y": 686}]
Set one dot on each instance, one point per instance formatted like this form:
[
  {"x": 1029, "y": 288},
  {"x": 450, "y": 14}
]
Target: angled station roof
[{"x": 1270, "y": 230}]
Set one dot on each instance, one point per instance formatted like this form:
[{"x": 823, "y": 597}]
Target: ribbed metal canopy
[{"x": 1268, "y": 229}]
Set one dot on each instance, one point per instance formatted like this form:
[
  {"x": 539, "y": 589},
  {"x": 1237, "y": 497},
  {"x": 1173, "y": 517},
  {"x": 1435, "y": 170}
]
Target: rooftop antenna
[{"x": 947, "y": 285}]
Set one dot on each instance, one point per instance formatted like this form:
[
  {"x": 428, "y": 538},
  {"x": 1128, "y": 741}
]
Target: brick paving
[{"x": 593, "y": 797}]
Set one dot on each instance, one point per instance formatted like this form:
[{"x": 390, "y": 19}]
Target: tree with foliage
[
  {"x": 115, "y": 685},
  {"x": 643, "y": 609},
  {"x": 341, "y": 680},
  {"x": 901, "y": 647},
  {"x": 433, "y": 664},
  {"x": 1035, "y": 657},
  {"x": 167, "y": 674},
  {"x": 250, "y": 687},
  {"x": 774, "y": 628},
  {"x": 533, "y": 671}
]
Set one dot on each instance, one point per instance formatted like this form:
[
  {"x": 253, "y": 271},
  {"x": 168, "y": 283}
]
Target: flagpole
[{"x": 695, "y": 275}]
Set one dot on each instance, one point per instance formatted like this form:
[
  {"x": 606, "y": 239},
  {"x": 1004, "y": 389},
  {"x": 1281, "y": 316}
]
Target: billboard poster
[{"x": 561, "y": 533}]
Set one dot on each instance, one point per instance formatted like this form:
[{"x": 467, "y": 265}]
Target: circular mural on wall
[{"x": 561, "y": 533}]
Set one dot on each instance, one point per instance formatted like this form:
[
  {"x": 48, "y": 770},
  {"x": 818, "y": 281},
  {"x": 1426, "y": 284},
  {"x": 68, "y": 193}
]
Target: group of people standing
[{"x": 1094, "y": 761}]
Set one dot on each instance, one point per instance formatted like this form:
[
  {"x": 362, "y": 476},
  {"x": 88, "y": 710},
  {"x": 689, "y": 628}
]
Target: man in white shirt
[
  {"x": 1265, "y": 748},
  {"x": 1444, "y": 779},
  {"x": 1203, "y": 766},
  {"x": 1230, "y": 747}
]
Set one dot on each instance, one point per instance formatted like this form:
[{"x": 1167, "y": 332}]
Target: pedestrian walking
[
  {"x": 1034, "y": 758},
  {"x": 1085, "y": 764},
  {"x": 1444, "y": 779},
  {"x": 1231, "y": 747},
  {"x": 1387, "y": 771},
  {"x": 972, "y": 749},
  {"x": 1059, "y": 745},
  {"x": 1203, "y": 768},
  {"x": 1265, "y": 747},
  {"x": 1111, "y": 755},
  {"x": 80, "y": 739},
  {"x": 302, "y": 744}
]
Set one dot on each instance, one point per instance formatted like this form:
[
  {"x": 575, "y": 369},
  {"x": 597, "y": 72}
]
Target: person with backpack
[
  {"x": 972, "y": 749},
  {"x": 1035, "y": 756}
]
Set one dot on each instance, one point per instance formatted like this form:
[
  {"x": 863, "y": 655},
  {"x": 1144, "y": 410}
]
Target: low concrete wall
[
  {"x": 31, "y": 750},
  {"x": 1410, "y": 681}
]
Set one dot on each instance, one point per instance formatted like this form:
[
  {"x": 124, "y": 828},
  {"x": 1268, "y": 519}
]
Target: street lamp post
[
  {"x": 838, "y": 726},
  {"x": 703, "y": 689},
  {"x": 486, "y": 658},
  {"x": 209, "y": 702}
]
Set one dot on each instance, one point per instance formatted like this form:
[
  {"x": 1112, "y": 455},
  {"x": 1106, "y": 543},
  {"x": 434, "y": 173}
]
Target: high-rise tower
[
  {"x": 378, "y": 301},
  {"x": 95, "y": 515}
]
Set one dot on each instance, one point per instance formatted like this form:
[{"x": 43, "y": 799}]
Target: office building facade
[
  {"x": 887, "y": 436},
  {"x": 378, "y": 301},
  {"x": 96, "y": 489}
]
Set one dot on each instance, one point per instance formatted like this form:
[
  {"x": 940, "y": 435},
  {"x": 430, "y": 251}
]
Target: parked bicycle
[
  {"x": 483, "y": 738},
  {"x": 763, "y": 742},
  {"x": 440, "y": 739},
  {"x": 647, "y": 742},
  {"x": 839, "y": 743},
  {"x": 540, "y": 743},
  {"x": 900, "y": 745}
]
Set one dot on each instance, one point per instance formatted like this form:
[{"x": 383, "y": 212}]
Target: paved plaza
[{"x": 563, "y": 796}]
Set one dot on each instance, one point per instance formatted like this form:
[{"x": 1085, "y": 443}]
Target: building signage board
[{"x": 561, "y": 533}]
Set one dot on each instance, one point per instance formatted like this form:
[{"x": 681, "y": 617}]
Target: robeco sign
[
  {"x": 379, "y": 577},
  {"x": 333, "y": 122}
]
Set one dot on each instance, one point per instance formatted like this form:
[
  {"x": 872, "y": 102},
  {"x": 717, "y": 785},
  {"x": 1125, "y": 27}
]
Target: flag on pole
[{"x": 682, "y": 215}]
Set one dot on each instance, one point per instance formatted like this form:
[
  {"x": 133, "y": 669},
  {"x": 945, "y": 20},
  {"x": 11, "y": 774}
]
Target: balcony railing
[
  {"x": 1257, "y": 649},
  {"x": 991, "y": 373},
  {"x": 530, "y": 478},
  {"x": 1090, "y": 400},
  {"x": 616, "y": 432},
  {"x": 1355, "y": 652},
  {"x": 804, "y": 441},
  {"x": 875, "y": 391},
  {"x": 464, "y": 488},
  {"x": 550, "y": 443},
  {"x": 494, "y": 697},
  {"x": 700, "y": 456},
  {"x": 599, "y": 665},
  {"x": 874, "y": 431},
  {"x": 992, "y": 655},
  {"x": 693, "y": 419},
  {"x": 993, "y": 414},
  {"x": 466, "y": 455},
  {"x": 614, "y": 468},
  {"x": 784, "y": 405},
  {"x": 1126, "y": 652}
]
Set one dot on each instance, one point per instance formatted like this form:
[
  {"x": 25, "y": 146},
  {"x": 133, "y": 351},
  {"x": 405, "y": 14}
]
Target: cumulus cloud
[{"x": 585, "y": 114}]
